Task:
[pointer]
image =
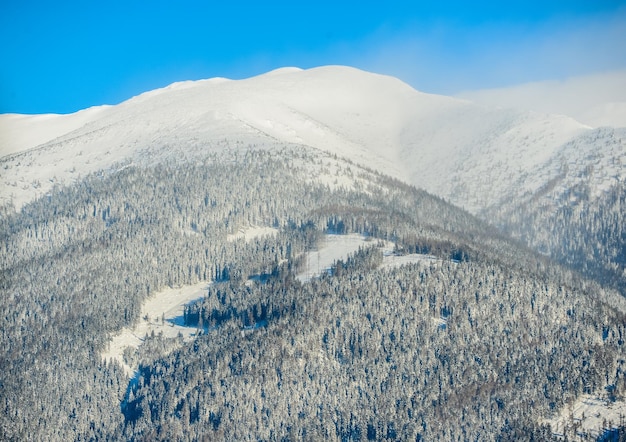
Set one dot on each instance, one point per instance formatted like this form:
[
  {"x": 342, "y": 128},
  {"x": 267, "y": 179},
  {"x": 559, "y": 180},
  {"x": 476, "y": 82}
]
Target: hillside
[
  {"x": 318, "y": 254},
  {"x": 417, "y": 341},
  {"x": 597, "y": 100}
]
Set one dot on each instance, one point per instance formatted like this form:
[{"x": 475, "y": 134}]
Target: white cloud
[
  {"x": 595, "y": 100},
  {"x": 446, "y": 59}
]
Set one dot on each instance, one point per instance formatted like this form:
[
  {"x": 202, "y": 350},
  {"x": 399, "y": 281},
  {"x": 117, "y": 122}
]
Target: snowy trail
[{"x": 162, "y": 313}]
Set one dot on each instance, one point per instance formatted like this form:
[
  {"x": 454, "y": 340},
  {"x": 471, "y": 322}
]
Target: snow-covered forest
[{"x": 482, "y": 343}]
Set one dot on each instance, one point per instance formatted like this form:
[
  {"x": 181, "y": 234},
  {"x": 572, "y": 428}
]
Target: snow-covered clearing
[
  {"x": 252, "y": 232},
  {"x": 331, "y": 249},
  {"x": 162, "y": 313},
  {"x": 335, "y": 248},
  {"x": 592, "y": 414}
]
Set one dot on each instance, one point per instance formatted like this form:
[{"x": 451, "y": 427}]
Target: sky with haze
[{"x": 64, "y": 56}]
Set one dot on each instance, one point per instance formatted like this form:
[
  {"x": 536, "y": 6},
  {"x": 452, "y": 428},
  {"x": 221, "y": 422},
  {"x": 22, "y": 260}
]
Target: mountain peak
[
  {"x": 474, "y": 155},
  {"x": 282, "y": 71}
]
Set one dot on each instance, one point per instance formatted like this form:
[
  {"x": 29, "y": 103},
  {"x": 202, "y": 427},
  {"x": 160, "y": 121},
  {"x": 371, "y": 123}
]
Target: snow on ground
[
  {"x": 167, "y": 304},
  {"x": 335, "y": 173},
  {"x": 22, "y": 132},
  {"x": 331, "y": 249},
  {"x": 335, "y": 247},
  {"x": 392, "y": 260},
  {"x": 592, "y": 414},
  {"x": 163, "y": 312},
  {"x": 252, "y": 232},
  {"x": 473, "y": 155}
]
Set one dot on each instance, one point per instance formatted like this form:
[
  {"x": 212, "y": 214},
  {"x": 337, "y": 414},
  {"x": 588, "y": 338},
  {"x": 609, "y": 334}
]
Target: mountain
[
  {"x": 443, "y": 324},
  {"x": 511, "y": 167},
  {"x": 477, "y": 157}
]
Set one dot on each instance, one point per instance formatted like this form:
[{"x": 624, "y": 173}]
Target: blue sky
[{"x": 63, "y": 56}]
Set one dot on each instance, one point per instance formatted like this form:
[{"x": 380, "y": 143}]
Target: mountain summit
[{"x": 475, "y": 156}]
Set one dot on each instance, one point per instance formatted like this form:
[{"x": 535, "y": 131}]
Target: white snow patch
[
  {"x": 592, "y": 414},
  {"x": 168, "y": 305},
  {"x": 252, "y": 232},
  {"x": 336, "y": 247},
  {"x": 23, "y": 132},
  {"x": 439, "y": 321},
  {"x": 333, "y": 248}
]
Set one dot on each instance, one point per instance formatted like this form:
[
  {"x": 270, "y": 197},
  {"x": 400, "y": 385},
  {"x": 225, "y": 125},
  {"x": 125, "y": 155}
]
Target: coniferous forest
[{"x": 482, "y": 342}]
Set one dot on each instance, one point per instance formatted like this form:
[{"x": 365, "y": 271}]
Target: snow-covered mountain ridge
[{"x": 475, "y": 156}]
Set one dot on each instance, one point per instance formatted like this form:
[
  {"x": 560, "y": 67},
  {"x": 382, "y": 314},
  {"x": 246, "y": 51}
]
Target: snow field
[
  {"x": 252, "y": 232},
  {"x": 165, "y": 305},
  {"x": 338, "y": 247}
]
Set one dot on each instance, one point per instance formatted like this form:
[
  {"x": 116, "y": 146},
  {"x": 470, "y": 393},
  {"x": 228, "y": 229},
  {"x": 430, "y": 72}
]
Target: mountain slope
[
  {"x": 509, "y": 166},
  {"x": 408, "y": 347},
  {"x": 472, "y": 155}
]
